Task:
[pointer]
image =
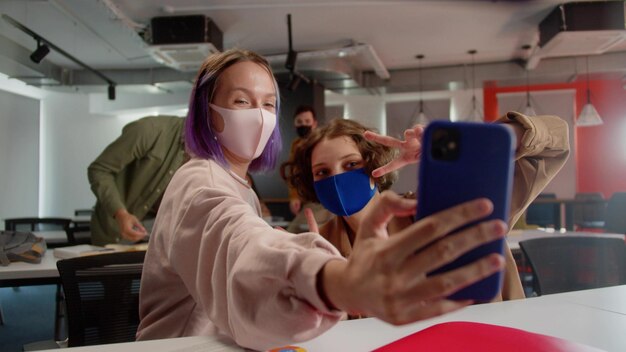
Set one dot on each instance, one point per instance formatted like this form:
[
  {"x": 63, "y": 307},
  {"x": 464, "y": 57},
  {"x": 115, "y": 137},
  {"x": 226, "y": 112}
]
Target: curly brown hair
[{"x": 298, "y": 172}]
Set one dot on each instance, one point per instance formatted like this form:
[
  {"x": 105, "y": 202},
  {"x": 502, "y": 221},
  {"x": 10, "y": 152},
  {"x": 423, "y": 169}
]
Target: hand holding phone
[{"x": 460, "y": 162}]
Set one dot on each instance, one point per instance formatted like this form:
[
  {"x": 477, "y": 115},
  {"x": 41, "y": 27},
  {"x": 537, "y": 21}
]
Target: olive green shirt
[{"x": 133, "y": 172}]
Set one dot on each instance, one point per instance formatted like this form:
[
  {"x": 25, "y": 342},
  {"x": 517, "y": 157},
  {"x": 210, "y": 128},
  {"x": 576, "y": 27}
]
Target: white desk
[
  {"x": 595, "y": 317},
  {"x": 516, "y": 236},
  {"x": 20, "y": 273}
]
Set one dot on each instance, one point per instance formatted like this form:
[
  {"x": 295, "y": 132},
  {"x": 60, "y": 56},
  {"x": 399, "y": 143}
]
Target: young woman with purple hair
[{"x": 215, "y": 267}]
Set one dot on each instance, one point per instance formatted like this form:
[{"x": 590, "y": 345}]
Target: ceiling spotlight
[
  {"x": 111, "y": 92},
  {"x": 295, "y": 82},
  {"x": 39, "y": 53},
  {"x": 292, "y": 56}
]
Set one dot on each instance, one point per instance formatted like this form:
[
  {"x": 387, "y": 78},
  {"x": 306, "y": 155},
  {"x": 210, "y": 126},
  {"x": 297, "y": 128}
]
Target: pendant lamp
[
  {"x": 421, "y": 116},
  {"x": 588, "y": 115},
  {"x": 475, "y": 115},
  {"x": 528, "y": 110}
]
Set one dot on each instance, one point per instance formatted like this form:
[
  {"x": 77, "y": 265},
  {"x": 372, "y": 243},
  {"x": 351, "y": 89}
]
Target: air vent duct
[
  {"x": 183, "y": 42},
  {"x": 582, "y": 28}
]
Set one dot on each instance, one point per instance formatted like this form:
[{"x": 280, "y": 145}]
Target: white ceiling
[{"x": 103, "y": 33}]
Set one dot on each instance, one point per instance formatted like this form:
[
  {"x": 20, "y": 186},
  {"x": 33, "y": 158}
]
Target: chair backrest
[
  {"x": 79, "y": 234},
  {"x": 83, "y": 212},
  {"x": 544, "y": 214},
  {"x": 102, "y": 297},
  {"x": 36, "y": 224},
  {"x": 566, "y": 263},
  {"x": 615, "y": 219},
  {"x": 590, "y": 213}
]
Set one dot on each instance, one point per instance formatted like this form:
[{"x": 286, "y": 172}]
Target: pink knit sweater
[{"x": 215, "y": 267}]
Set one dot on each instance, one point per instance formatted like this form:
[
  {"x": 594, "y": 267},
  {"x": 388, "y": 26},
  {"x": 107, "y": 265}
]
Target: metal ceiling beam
[
  {"x": 334, "y": 74},
  {"x": 554, "y": 70}
]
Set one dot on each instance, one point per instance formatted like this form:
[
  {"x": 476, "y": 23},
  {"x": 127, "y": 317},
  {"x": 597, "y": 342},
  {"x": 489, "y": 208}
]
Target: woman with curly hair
[
  {"x": 339, "y": 150},
  {"x": 338, "y": 164}
]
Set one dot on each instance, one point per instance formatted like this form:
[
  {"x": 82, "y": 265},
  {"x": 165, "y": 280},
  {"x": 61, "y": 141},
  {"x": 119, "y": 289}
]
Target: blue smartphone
[{"x": 462, "y": 161}]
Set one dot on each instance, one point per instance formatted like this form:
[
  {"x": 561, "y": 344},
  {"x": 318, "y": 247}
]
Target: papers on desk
[
  {"x": 469, "y": 337},
  {"x": 82, "y": 250}
]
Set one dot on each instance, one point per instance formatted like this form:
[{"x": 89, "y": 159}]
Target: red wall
[{"x": 600, "y": 151}]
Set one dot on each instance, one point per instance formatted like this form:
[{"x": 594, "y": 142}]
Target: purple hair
[{"x": 200, "y": 139}]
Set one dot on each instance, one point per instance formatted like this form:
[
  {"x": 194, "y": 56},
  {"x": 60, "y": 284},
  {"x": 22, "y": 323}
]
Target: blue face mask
[{"x": 346, "y": 193}]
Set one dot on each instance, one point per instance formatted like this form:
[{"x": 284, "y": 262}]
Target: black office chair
[
  {"x": 615, "y": 219},
  {"x": 566, "y": 263},
  {"x": 589, "y": 215},
  {"x": 78, "y": 234},
  {"x": 83, "y": 212},
  {"x": 36, "y": 224},
  {"x": 102, "y": 297},
  {"x": 544, "y": 214}
]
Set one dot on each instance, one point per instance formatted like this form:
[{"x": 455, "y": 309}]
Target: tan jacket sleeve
[{"x": 541, "y": 153}]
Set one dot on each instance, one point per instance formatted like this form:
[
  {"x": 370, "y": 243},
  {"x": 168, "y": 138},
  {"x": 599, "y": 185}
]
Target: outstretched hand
[
  {"x": 387, "y": 277},
  {"x": 410, "y": 148},
  {"x": 130, "y": 227}
]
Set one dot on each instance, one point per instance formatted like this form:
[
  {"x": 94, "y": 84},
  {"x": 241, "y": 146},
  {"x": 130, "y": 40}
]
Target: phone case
[{"x": 475, "y": 160}]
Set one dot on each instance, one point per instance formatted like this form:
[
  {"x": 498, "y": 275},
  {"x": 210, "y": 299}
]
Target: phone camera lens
[{"x": 445, "y": 144}]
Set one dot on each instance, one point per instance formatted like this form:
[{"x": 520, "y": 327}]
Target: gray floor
[{"x": 28, "y": 316}]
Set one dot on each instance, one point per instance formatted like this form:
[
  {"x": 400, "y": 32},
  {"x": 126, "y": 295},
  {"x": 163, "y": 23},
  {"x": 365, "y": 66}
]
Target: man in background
[
  {"x": 131, "y": 175},
  {"x": 304, "y": 121}
]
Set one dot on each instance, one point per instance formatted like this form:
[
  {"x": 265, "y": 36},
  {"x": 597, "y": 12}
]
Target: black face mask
[{"x": 303, "y": 131}]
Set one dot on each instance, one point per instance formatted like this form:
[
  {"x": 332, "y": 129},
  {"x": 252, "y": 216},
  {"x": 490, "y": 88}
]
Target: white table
[
  {"x": 21, "y": 274},
  {"x": 516, "y": 236},
  {"x": 595, "y": 317}
]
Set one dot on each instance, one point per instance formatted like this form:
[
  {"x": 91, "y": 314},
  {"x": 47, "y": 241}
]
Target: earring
[{"x": 215, "y": 137}]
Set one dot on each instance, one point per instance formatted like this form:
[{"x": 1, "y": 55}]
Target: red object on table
[{"x": 479, "y": 337}]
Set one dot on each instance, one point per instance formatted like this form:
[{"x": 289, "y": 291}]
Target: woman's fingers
[
  {"x": 428, "y": 298},
  {"x": 444, "y": 284},
  {"x": 450, "y": 248},
  {"x": 389, "y": 167},
  {"x": 410, "y": 148},
  {"x": 310, "y": 220},
  {"x": 420, "y": 310},
  {"x": 388, "y": 205},
  {"x": 431, "y": 228},
  {"x": 384, "y": 140}
]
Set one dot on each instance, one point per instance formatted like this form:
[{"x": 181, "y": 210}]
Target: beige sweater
[{"x": 214, "y": 266}]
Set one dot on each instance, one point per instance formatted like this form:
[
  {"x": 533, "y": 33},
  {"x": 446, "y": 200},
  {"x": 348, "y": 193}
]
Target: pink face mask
[{"x": 246, "y": 131}]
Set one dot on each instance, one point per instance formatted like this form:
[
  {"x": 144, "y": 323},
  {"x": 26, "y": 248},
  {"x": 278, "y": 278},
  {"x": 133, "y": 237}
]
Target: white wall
[
  {"x": 371, "y": 111},
  {"x": 77, "y": 128},
  {"x": 72, "y": 139},
  {"x": 48, "y": 139},
  {"x": 19, "y": 156}
]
